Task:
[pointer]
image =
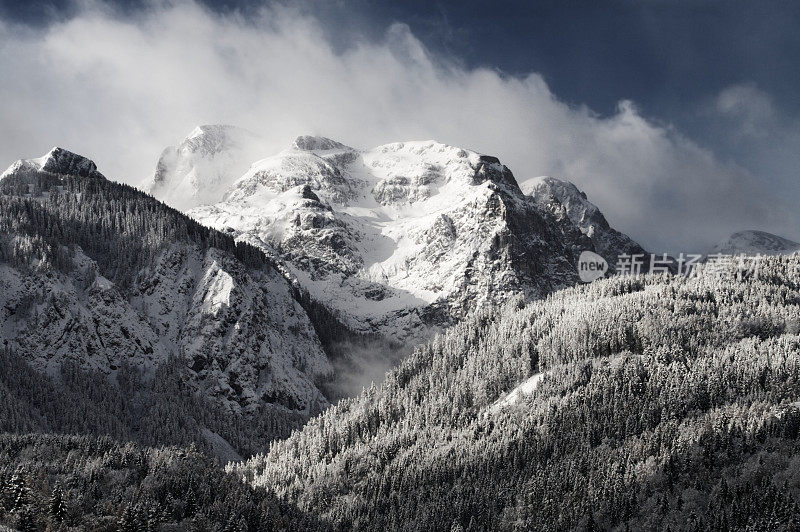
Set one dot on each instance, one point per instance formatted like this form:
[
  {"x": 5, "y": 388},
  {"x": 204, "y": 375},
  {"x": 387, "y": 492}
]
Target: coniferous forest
[{"x": 665, "y": 403}]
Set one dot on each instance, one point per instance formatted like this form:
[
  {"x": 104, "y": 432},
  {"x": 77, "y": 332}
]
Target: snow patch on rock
[{"x": 218, "y": 285}]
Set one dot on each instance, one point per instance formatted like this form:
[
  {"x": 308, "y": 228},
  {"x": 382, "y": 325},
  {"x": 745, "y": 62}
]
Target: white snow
[
  {"x": 383, "y": 236},
  {"x": 102, "y": 283},
  {"x": 29, "y": 164},
  {"x": 218, "y": 286},
  {"x": 526, "y": 388},
  {"x": 204, "y": 165},
  {"x": 387, "y": 204}
]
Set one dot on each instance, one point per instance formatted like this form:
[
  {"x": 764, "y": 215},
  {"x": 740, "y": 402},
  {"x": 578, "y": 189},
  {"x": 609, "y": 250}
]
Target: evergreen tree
[
  {"x": 57, "y": 507},
  {"x": 18, "y": 491}
]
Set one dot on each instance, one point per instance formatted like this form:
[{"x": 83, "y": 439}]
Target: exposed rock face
[{"x": 565, "y": 201}]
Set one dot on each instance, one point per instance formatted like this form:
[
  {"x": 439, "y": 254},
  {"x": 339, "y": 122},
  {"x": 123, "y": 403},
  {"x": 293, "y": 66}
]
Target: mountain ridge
[
  {"x": 753, "y": 242},
  {"x": 404, "y": 239},
  {"x": 100, "y": 275}
]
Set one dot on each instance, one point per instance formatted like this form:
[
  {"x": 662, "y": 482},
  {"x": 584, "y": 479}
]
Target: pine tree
[
  {"x": 57, "y": 507},
  {"x": 591, "y": 526},
  {"x": 129, "y": 521},
  {"x": 155, "y": 516},
  {"x": 18, "y": 492},
  {"x": 190, "y": 504}
]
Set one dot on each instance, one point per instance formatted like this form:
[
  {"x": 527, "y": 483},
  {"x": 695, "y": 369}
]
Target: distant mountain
[
  {"x": 754, "y": 243},
  {"x": 406, "y": 239},
  {"x": 101, "y": 278}
]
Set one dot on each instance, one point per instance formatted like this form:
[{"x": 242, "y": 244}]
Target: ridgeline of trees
[{"x": 667, "y": 404}]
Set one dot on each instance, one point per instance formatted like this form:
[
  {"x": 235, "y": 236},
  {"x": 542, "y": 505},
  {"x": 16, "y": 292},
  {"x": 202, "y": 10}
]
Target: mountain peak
[
  {"x": 212, "y": 129},
  {"x": 567, "y": 201},
  {"x": 199, "y": 169},
  {"x": 317, "y": 143},
  {"x": 56, "y": 161},
  {"x": 752, "y": 242},
  {"x": 64, "y": 162},
  {"x": 211, "y": 139},
  {"x": 547, "y": 190}
]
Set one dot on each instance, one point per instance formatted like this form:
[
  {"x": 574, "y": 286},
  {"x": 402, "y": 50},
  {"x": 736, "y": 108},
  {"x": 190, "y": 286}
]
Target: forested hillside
[
  {"x": 659, "y": 403},
  {"x": 89, "y": 483}
]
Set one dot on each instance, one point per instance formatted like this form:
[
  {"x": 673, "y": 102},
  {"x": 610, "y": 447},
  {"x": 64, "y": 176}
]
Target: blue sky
[{"x": 721, "y": 76}]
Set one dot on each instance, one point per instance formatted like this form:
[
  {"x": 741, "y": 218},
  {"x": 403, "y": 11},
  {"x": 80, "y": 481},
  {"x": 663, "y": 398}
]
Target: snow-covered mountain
[
  {"x": 406, "y": 238},
  {"x": 368, "y": 253},
  {"x": 102, "y": 275},
  {"x": 755, "y": 243},
  {"x": 564, "y": 199},
  {"x": 57, "y": 161},
  {"x": 199, "y": 169}
]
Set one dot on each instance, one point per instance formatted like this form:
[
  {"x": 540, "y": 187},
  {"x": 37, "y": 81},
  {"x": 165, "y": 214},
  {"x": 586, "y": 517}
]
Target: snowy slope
[
  {"x": 755, "y": 243},
  {"x": 372, "y": 234},
  {"x": 406, "y": 238},
  {"x": 245, "y": 340}
]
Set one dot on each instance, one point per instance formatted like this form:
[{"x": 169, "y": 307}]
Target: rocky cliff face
[
  {"x": 568, "y": 203},
  {"x": 101, "y": 275}
]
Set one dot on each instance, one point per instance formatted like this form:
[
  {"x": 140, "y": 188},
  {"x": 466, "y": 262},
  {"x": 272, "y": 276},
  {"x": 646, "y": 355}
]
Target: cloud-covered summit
[{"x": 121, "y": 87}]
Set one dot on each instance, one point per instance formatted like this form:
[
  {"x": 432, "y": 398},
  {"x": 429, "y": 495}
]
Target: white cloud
[
  {"x": 119, "y": 89},
  {"x": 751, "y": 107}
]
